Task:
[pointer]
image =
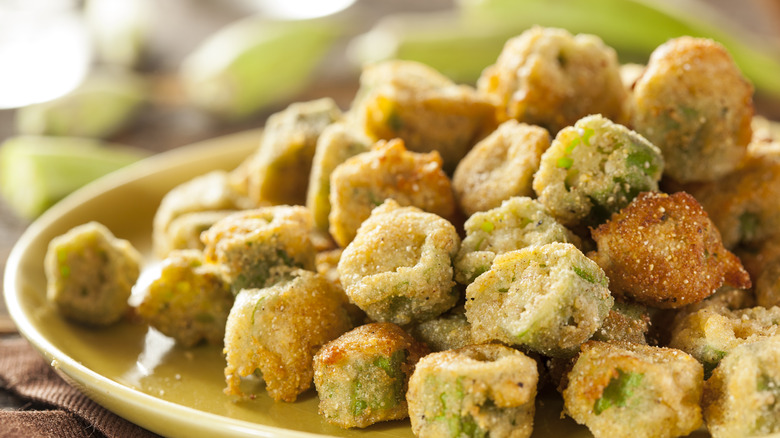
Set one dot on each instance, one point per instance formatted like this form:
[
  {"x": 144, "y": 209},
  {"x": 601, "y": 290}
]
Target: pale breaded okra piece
[
  {"x": 362, "y": 376},
  {"x": 594, "y": 169},
  {"x": 248, "y": 245},
  {"x": 90, "y": 274},
  {"x": 474, "y": 391},
  {"x": 278, "y": 329},
  {"x": 189, "y": 301},
  {"x": 519, "y": 222},
  {"x": 550, "y": 78},
  {"x": 399, "y": 267},
  {"x": 500, "y": 166},
  {"x": 447, "y": 331},
  {"x": 548, "y": 298}
]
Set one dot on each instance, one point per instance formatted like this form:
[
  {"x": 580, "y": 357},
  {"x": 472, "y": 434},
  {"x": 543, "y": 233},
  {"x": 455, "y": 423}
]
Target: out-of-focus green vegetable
[
  {"x": 462, "y": 43},
  {"x": 120, "y": 29},
  {"x": 104, "y": 103},
  {"x": 255, "y": 62},
  {"x": 36, "y": 172}
]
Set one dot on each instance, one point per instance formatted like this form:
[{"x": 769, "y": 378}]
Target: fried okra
[
  {"x": 184, "y": 207},
  {"x": 548, "y": 77},
  {"x": 594, "y": 169},
  {"x": 632, "y": 390},
  {"x": 764, "y": 267},
  {"x": 500, "y": 166},
  {"x": 399, "y": 267},
  {"x": 741, "y": 397},
  {"x": 475, "y": 391},
  {"x": 337, "y": 142},
  {"x": 548, "y": 298},
  {"x": 429, "y": 112},
  {"x": 278, "y": 171},
  {"x": 278, "y": 329},
  {"x": 90, "y": 274},
  {"x": 362, "y": 376},
  {"x": 387, "y": 171},
  {"x": 189, "y": 301},
  {"x": 693, "y": 102},
  {"x": 519, "y": 222},
  {"x": 625, "y": 322},
  {"x": 248, "y": 244},
  {"x": 663, "y": 251},
  {"x": 447, "y": 331}
]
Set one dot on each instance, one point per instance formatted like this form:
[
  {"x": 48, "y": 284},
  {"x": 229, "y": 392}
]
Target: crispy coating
[
  {"x": 594, "y": 169},
  {"x": 278, "y": 329},
  {"x": 519, "y": 222},
  {"x": 278, "y": 171},
  {"x": 211, "y": 192},
  {"x": 248, "y": 244},
  {"x": 548, "y": 298},
  {"x": 90, "y": 274},
  {"x": 625, "y": 322},
  {"x": 550, "y": 78},
  {"x": 741, "y": 397},
  {"x": 414, "y": 102},
  {"x": 189, "y": 301},
  {"x": 479, "y": 390},
  {"x": 663, "y": 251},
  {"x": 693, "y": 102},
  {"x": 447, "y": 331},
  {"x": 337, "y": 142},
  {"x": 399, "y": 267},
  {"x": 362, "y": 376},
  {"x": 500, "y": 166},
  {"x": 637, "y": 391},
  {"x": 387, "y": 171}
]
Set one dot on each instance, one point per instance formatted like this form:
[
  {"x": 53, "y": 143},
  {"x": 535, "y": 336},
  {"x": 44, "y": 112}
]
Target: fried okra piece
[
  {"x": 429, "y": 112},
  {"x": 184, "y": 231},
  {"x": 741, "y": 397},
  {"x": 519, "y": 222},
  {"x": 248, "y": 244},
  {"x": 474, "y": 391},
  {"x": 278, "y": 329},
  {"x": 594, "y": 169},
  {"x": 278, "y": 171},
  {"x": 387, "y": 171},
  {"x": 548, "y": 298},
  {"x": 337, "y": 142},
  {"x": 90, "y": 274},
  {"x": 210, "y": 194},
  {"x": 663, "y": 251},
  {"x": 548, "y": 77},
  {"x": 625, "y": 322},
  {"x": 631, "y": 390},
  {"x": 500, "y": 166},
  {"x": 362, "y": 376},
  {"x": 447, "y": 331},
  {"x": 764, "y": 267},
  {"x": 710, "y": 333},
  {"x": 693, "y": 102},
  {"x": 399, "y": 267},
  {"x": 189, "y": 301}
]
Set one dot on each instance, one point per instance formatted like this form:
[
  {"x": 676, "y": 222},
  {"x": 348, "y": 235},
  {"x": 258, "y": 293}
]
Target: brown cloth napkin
[{"x": 55, "y": 408}]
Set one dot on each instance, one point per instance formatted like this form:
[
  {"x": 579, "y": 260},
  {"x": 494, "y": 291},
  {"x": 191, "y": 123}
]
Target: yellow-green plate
[{"x": 138, "y": 373}]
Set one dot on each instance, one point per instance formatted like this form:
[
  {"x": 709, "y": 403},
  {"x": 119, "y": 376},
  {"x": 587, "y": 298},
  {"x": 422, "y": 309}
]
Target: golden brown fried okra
[
  {"x": 189, "y": 301},
  {"x": 631, "y": 390},
  {"x": 248, "y": 244},
  {"x": 475, "y": 391},
  {"x": 693, "y": 103},
  {"x": 90, "y": 274},
  {"x": 388, "y": 171},
  {"x": 741, "y": 397},
  {"x": 548, "y": 298},
  {"x": 550, "y": 78},
  {"x": 399, "y": 267},
  {"x": 625, "y": 322},
  {"x": 663, "y": 251},
  {"x": 594, "y": 169},
  {"x": 519, "y": 222},
  {"x": 362, "y": 376},
  {"x": 429, "y": 112},
  {"x": 500, "y": 166},
  {"x": 278, "y": 329},
  {"x": 447, "y": 331}
]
